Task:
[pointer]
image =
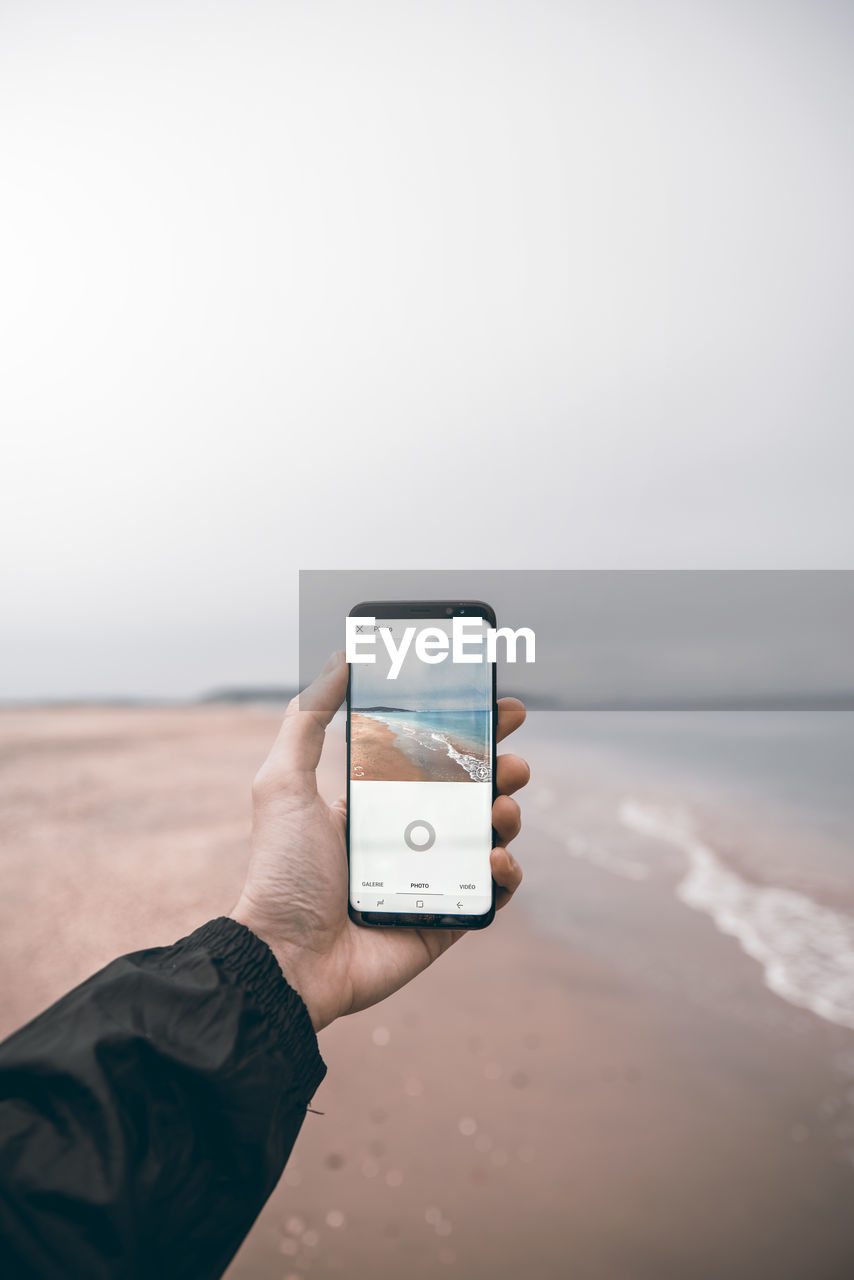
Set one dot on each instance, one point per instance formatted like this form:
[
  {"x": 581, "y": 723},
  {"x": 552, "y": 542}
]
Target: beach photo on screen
[{"x": 431, "y": 724}]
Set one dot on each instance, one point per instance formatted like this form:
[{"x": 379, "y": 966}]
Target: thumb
[{"x": 300, "y": 739}]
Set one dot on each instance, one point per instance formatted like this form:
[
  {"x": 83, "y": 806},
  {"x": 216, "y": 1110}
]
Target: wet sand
[
  {"x": 381, "y": 754},
  {"x": 599, "y": 1085},
  {"x": 374, "y": 753}
]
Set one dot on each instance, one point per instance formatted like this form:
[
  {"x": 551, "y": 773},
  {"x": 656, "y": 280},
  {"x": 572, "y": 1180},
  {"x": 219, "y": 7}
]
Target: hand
[{"x": 296, "y": 890}]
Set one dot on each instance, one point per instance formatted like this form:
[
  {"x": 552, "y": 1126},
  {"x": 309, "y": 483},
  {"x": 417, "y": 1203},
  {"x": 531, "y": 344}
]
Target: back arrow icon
[{"x": 459, "y": 904}]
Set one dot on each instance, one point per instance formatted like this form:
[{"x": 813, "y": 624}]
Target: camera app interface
[{"x": 421, "y": 780}]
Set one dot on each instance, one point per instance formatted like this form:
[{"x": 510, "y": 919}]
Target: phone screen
[{"x": 420, "y": 779}]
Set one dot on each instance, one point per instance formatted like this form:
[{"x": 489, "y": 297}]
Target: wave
[
  {"x": 806, "y": 950},
  {"x": 474, "y": 767},
  {"x": 477, "y": 769}
]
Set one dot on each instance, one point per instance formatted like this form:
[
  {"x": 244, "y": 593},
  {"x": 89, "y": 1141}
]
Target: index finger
[{"x": 511, "y": 715}]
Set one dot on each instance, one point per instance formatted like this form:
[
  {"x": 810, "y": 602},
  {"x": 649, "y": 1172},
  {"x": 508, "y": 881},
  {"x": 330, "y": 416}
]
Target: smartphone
[{"x": 421, "y": 772}]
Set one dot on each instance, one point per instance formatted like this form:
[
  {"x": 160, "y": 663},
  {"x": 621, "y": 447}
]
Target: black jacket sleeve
[{"x": 147, "y": 1115}]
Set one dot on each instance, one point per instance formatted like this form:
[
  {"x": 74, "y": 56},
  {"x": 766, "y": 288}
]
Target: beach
[
  {"x": 373, "y": 753},
  {"x": 604, "y": 1084},
  {"x": 394, "y": 748}
]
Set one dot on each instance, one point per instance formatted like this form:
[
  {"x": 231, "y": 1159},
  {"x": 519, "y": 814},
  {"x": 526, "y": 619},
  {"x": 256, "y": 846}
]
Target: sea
[{"x": 682, "y": 778}]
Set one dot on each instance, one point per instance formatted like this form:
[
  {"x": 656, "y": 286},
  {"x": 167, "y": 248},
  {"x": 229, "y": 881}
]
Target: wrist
[{"x": 291, "y": 959}]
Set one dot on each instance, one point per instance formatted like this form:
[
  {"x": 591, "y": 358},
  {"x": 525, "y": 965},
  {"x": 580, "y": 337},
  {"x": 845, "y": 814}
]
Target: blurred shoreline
[
  {"x": 276, "y": 695},
  {"x": 602, "y": 1082}
]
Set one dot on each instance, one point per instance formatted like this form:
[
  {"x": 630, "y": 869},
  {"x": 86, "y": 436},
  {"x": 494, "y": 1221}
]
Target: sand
[
  {"x": 380, "y": 753},
  {"x": 373, "y": 754},
  {"x": 598, "y": 1086}
]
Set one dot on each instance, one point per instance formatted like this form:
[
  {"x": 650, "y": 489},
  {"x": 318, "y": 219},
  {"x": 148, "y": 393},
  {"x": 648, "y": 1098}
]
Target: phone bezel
[{"x": 425, "y": 610}]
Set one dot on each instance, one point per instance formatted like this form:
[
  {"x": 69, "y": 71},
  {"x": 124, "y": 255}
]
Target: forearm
[{"x": 145, "y": 1117}]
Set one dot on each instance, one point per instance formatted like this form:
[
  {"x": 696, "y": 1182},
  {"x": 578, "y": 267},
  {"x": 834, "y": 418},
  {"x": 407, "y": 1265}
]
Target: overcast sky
[{"x": 332, "y": 285}]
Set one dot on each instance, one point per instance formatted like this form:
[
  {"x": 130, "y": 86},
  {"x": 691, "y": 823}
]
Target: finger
[
  {"x": 511, "y": 774},
  {"x": 506, "y": 873},
  {"x": 300, "y": 740},
  {"x": 507, "y": 819},
  {"x": 511, "y": 714}
]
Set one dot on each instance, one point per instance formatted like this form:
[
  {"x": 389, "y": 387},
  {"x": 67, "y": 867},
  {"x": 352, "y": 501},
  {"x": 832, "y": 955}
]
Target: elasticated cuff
[{"x": 252, "y": 965}]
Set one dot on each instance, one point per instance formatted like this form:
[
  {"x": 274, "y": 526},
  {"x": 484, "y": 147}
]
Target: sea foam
[
  {"x": 477, "y": 770},
  {"x": 806, "y": 950}
]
